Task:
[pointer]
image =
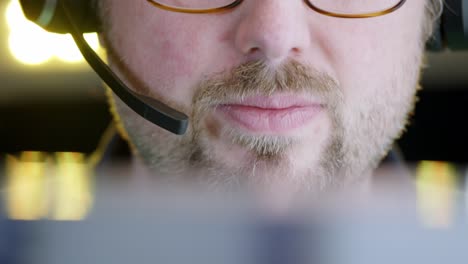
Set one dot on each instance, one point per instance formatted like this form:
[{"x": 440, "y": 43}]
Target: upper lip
[{"x": 275, "y": 102}]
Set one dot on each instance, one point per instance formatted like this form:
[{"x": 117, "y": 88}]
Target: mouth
[{"x": 276, "y": 114}]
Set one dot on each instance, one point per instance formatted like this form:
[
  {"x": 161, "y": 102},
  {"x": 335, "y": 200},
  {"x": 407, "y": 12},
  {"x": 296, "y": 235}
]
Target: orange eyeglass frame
[{"x": 308, "y": 2}]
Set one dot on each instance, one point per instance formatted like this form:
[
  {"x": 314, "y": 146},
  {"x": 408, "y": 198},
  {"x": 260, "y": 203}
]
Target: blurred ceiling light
[{"x": 32, "y": 45}]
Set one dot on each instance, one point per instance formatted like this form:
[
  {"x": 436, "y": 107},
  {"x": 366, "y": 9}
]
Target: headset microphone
[{"x": 77, "y": 17}]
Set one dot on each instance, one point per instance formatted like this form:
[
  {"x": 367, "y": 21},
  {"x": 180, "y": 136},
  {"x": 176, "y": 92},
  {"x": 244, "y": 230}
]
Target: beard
[
  {"x": 358, "y": 135},
  {"x": 268, "y": 160}
]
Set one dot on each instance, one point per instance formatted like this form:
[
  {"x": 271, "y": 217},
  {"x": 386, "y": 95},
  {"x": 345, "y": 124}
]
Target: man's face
[{"x": 275, "y": 92}]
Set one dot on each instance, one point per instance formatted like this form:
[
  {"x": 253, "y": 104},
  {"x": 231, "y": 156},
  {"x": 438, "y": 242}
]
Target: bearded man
[{"x": 309, "y": 94}]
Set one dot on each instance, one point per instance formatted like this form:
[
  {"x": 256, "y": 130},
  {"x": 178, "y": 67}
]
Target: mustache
[{"x": 258, "y": 78}]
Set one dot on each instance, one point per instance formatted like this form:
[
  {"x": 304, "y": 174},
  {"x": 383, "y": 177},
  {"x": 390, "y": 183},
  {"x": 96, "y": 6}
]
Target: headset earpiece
[
  {"x": 79, "y": 16},
  {"x": 49, "y": 14}
]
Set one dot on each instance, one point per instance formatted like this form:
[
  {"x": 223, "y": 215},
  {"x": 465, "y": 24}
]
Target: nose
[{"x": 272, "y": 30}]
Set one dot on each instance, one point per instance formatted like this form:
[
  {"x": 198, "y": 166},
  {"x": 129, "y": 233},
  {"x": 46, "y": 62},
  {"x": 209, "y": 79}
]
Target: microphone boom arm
[{"x": 151, "y": 109}]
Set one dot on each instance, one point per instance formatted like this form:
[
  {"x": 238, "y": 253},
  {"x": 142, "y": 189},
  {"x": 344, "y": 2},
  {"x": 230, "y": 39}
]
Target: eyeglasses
[{"x": 334, "y": 8}]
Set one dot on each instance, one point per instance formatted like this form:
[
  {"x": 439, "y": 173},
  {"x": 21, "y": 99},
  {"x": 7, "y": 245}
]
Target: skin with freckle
[{"x": 350, "y": 82}]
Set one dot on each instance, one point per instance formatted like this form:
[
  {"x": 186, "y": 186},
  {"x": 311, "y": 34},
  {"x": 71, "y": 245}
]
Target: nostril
[
  {"x": 254, "y": 50},
  {"x": 295, "y": 50}
]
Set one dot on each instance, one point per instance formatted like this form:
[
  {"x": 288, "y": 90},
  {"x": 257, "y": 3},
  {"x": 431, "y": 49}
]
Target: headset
[{"x": 79, "y": 16}]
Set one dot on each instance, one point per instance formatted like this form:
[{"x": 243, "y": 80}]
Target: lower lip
[{"x": 261, "y": 120}]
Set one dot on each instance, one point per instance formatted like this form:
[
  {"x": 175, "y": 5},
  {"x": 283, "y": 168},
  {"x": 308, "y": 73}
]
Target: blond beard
[{"x": 340, "y": 162}]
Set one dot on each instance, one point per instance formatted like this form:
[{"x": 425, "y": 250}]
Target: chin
[{"x": 261, "y": 160}]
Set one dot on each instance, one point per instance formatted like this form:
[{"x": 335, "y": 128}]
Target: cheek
[
  {"x": 372, "y": 53},
  {"x": 169, "y": 53},
  {"x": 159, "y": 47}
]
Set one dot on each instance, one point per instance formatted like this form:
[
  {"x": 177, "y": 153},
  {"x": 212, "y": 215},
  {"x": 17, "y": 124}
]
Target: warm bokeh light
[
  {"x": 23, "y": 50},
  {"x": 48, "y": 186},
  {"x": 32, "y": 45},
  {"x": 436, "y": 190},
  {"x": 26, "y": 192},
  {"x": 466, "y": 193},
  {"x": 73, "y": 197}
]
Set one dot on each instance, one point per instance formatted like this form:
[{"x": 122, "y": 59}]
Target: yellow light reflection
[
  {"x": 21, "y": 47},
  {"x": 66, "y": 50},
  {"x": 13, "y": 19},
  {"x": 32, "y": 45},
  {"x": 466, "y": 192},
  {"x": 436, "y": 189},
  {"x": 40, "y": 185},
  {"x": 73, "y": 197},
  {"x": 26, "y": 193}
]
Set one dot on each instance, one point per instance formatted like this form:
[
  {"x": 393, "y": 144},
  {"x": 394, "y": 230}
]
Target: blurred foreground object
[
  {"x": 42, "y": 186},
  {"x": 138, "y": 220}
]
